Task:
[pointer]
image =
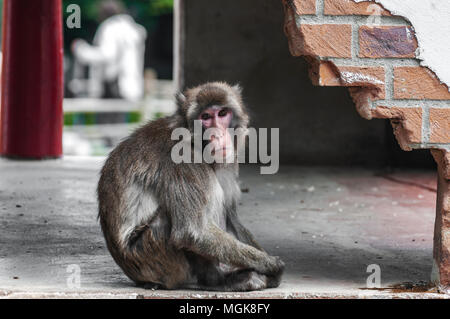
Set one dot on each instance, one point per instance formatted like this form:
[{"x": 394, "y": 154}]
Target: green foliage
[
  {"x": 159, "y": 7},
  {"x": 1, "y": 24},
  {"x": 91, "y": 118},
  {"x": 133, "y": 117},
  {"x": 158, "y": 115}
]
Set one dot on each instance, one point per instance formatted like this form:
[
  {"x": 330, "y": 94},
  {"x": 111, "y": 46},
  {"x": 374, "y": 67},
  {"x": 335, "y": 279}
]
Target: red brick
[
  {"x": 406, "y": 122},
  {"x": 442, "y": 158},
  {"x": 418, "y": 83},
  {"x": 441, "y": 247},
  {"x": 366, "y": 84},
  {"x": 387, "y": 41},
  {"x": 349, "y": 7},
  {"x": 329, "y": 74},
  {"x": 302, "y": 7},
  {"x": 326, "y": 40},
  {"x": 439, "y": 125},
  {"x": 363, "y": 98},
  {"x": 295, "y": 39}
]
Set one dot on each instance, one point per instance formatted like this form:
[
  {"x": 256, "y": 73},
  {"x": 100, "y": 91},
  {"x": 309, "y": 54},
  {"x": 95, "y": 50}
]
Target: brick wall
[{"x": 363, "y": 47}]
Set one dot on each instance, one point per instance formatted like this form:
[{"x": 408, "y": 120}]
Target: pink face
[{"x": 218, "y": 119}]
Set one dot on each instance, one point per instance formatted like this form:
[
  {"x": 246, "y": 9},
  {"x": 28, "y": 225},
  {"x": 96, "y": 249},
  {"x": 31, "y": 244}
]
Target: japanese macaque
[{"x": 172, "y": 226}]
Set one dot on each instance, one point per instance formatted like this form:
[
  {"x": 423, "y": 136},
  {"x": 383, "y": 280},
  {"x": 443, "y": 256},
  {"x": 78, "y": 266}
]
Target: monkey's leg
[
  {"x": 153, "y": 262},
  {"x": 206, "y": 272},
  {"x": 246, "y": 280},
  {"x": 162, "y": 265}
]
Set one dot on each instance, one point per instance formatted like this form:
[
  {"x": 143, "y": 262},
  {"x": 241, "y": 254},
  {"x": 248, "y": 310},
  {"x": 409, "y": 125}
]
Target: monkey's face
[{"x": 216, "y": 120}]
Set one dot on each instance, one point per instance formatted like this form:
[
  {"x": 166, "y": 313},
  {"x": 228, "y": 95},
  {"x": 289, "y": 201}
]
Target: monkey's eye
[
  {"x": 223, "y": 112},
  {"x": 205, "y": 116}
]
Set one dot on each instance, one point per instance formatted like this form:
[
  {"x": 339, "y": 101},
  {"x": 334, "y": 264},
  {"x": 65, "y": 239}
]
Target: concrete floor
[{"x": 327, "y": 224}]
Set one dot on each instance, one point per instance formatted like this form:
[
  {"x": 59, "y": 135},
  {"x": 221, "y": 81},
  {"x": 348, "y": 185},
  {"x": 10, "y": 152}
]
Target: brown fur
[{"x": 193, "y": 238}]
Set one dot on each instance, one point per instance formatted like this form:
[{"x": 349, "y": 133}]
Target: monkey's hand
[
  {"x": 273, "y": 267},
  {"x": 274, "y": 280}
]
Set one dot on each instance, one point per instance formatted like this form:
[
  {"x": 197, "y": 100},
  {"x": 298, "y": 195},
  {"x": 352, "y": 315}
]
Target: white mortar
[{"x": 431, "y": 22}]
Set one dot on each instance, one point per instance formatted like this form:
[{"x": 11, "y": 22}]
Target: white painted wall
[{"x": 431, "y": 22}]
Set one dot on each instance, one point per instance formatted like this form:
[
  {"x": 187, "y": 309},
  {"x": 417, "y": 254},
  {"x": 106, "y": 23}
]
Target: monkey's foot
[{"x": 246, "y": 280}]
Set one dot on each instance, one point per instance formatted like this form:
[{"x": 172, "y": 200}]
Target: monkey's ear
[
  {"x": 180, "y": 98},
  {"x": 237, "y": 88}
]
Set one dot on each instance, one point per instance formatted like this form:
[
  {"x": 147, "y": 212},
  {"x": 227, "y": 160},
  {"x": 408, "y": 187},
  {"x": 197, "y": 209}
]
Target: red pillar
[{"x": 32, "y": 79}]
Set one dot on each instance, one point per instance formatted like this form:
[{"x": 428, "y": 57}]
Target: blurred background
[
  {"x": 119, "y": 74},
  {"x": 119, "y": 69}
]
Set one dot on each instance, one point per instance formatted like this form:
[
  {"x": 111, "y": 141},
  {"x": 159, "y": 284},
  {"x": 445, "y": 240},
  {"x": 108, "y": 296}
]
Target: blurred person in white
[{"x": 116, "y": 58}]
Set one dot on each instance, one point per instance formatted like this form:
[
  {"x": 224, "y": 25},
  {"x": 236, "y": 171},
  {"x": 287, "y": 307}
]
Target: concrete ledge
[{"x": 207, "y": 295}]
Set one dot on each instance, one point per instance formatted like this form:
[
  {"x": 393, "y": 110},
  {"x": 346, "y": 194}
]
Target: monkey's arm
[
  {"x": 240, "y": 231},
  {"x": 213, "y": 243}
]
